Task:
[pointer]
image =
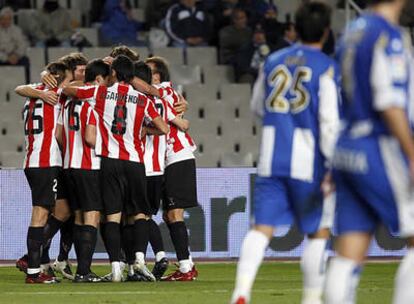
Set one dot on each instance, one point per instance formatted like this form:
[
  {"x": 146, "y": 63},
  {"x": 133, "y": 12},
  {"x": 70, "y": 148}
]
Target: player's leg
[
  {"x": 154, "y": 191},
  {"x": 270, "y": 209},
  {"x": 356, "y": 222},
  {"x": 43, "y": 183},
  {"x": 113, "y": 238},
  {"x": 404, "y": 280},
  {"x": 128, "y": 244},
  {"x": 180, "y": 193}
]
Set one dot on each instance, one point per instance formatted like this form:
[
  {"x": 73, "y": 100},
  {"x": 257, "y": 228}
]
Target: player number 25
[{"x": 283, "y": 82}]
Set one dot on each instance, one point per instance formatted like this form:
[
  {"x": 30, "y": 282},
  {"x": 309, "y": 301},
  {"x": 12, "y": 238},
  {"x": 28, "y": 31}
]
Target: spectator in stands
[
  {"x": 155, "y": 11},
  {"x": 13, "y": 43},
  {"x": 271, "y": 26},
  {"x": 118, "y": 26},
  {"x": 53, "y": 25},
  {"x": 187, "y": 24},
  {"x": 222, "y": 13},
  {"x": 289, "y": 36},
  {"x": 255, "y": 9},
  {"x": 249, "y": 59},
  {"x": 233, "y": 38}
]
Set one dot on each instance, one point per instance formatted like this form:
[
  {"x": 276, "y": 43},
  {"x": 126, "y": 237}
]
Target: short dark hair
[
  {"x": 73, "y": 60},
  {"x": 58, "y": 70},
  {"x": 124, "y": 68},
  {"x": 142, "y": 71},
  {"x": 95, "y": 68},
  {"x": 124, "y": 50},
  {"x": 161, "y": 67},
  {"x": 311, "y": 21}
]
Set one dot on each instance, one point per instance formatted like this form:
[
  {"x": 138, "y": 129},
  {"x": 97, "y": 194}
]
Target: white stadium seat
[
  {"x": 236, "y": 160},
  {"x": 37, "y": 62},
  {"x": 11, "y": 77},
  {"x": 200, "y": 94},
  {"x": 203, "y": 56},
  {"x": 96, "y": 52},
  {"x": 217, "y": 75},
  {"x": 184, "y": 74},
  {"x": 174, "y": 56},
  {"x": 54, "y": 53},
  {"x": 12, "y": 159},
  {"x": 235, "y": 93},
  {"x": 90, "y": 33}
]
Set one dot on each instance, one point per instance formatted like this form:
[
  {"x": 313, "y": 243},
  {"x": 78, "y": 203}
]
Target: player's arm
[
  {"x": 182, "y": 105},
  {"x": 390, "y": 100},
  {"x": 29, "y": 91},
  {"x": 153, "y": 131},
  {"x": 160, "y": 124},
  {"x": 80, "y": 93},
  {"x": 59, "y": 134},
  {"x": 257, "y": 100},
  {"x": 142, "y": 86},
  {"x": 90, "y": 135},
  {"x": 178, "y": 121}
]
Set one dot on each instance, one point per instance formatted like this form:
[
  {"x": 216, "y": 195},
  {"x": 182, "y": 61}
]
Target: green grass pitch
[{"x": 276, "y": 283}]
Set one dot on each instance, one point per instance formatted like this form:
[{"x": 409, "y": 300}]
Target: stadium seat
[
  {"x": 138, "y": 14},
  {"x": 216, "y": 75},
  {"x": 37, "y": 62},
  {"x": 75, "y": 17},
  {"x": 184, "y": 75},
  {"x": 200, "y": 94},
  {"x": 142, "y": 3},
  {"x": 203, "y": 56},
  {"x": 234, "y": 160},
  {"x": 206, "y": 160},
  {"x": 90, "y": 33},
  {"x": 96, "y": 52},
  {"x": 26, "y": 19},
  {"x": 11, "y": 126},
  {"x": 12, "y": 77},
  {"x": 212, "y": 111},
  {"x": 201, "y": 127},
  {"x": 12, "y": 109},
  {"x": 83, "y": 5},
  {"x": 142, "y": 52},
  {"x": 54, "y": 53},
  {"x": 12, "y": 159},
  {"x": 62, "y": 3},
  {"x": 174, "y": 56},
  {"x": 235, "y": 93}
]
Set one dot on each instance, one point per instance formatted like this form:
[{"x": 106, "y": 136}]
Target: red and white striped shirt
[
  {"x": 121, "y": 111},
  {"x": 74, "y": 118},
  {"x": 40, "y": 121},
  {"x": 156, "y": 145},
  {"x": 180, "y": 145}
]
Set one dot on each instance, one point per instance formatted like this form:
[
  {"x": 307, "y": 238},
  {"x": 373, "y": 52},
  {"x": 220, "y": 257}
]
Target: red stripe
[
  {"x": 86, "y": 155},
  {"x": 30, "y": 128},
  {"x": 48, "y": 128},
  {"x": 71, "y": 134},
  {"x": 138, "y": 121},
  {"x": 155, "y": 161},
  {"x": 122, "y": 97},
  {"x": 100, "y": 110},
  {"x": 190, "y": 140},
  {"x": 177, "y": 145}
]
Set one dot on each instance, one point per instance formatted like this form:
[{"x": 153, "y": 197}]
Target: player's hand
[
  {"x": 327, "y": 185},
  {"x": 108, "y": 60},
  {"x": 48, "y": 80},
  {"x": 49, "y": 97},
  {"x": 181, "y": 106},
  {"x": 13, "y": 59},
  {"x": 411, "y": 168}
]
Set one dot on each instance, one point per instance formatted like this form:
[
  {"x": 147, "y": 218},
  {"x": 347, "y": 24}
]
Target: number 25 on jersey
[{"x": 282, "y": 82}]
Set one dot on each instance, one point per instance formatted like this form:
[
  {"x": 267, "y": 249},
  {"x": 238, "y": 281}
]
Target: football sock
[
  {"x": 155, "y": 237},
  {"x": 87, "y": 247},
  {"x": 141, "y": 233},
  {"x": 128, "y": 243},
  {"x": 313, "y": 265},
  {"x": 159, "y": 256},
  {"x": 179, "y": 237},
  {"x": 66, "y": 239},
  {"x": 404, "y": 280},
  {"x": 113, "y": 239},
  {"x": 77, "y": 235},
  {"x": 34, "y": 248},
  {"x": 52, "y": 227},
  {"x": 251, "y": 256},
  {"x": 342, "y": 279}
]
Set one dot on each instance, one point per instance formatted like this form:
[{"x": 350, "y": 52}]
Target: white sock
[
  {"x": 251, "y": 256},
  {"x": 33, "y": 270},
  {"x": 116, "y": 267},
  {"x": 159, "y": 256},
  {"x": 131, "y": 270},
  {"x": 140, "y": 258},
  {"x": 342, "y": 279},
  {"x": 185, "y": 265},
  {"x": 404, "y": 280},
  {"x": 313, "y": 265}
]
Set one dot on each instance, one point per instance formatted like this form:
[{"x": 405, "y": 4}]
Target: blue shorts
[
  {"x": 372, "y": 187},
  {"x": 283, "y": 201}
]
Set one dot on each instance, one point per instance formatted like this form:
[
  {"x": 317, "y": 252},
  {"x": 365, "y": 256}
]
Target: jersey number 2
[{"x": 282, "y": 82}]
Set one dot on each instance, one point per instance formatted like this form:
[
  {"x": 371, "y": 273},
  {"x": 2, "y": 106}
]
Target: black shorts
[
  {"x": 180, "y": 185},
  {"x": 83, "y": 189},
  {"x": 62, "y": 188},
  {"x": 154, "y": 192},
  {"x": 43, "y": 183},
  {"x": 124, "y": 187}
]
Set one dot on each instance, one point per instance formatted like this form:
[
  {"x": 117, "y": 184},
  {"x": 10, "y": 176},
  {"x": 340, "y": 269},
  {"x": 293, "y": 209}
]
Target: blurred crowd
[{"x": 245, "y": 31}]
